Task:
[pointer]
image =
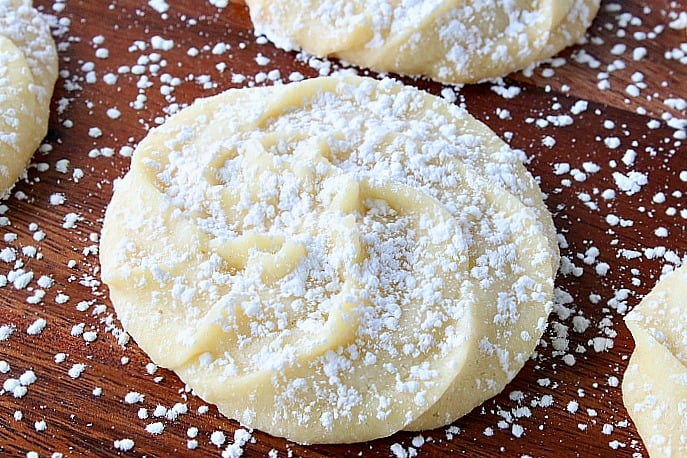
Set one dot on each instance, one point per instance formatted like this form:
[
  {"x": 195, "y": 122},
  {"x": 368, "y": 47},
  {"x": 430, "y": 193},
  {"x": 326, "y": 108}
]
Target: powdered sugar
[{"x": 636, "y": 258}]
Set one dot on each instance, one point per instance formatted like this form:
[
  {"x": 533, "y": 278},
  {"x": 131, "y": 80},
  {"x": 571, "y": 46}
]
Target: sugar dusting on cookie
[
  {"x": 341, "y": 230},
  {"x": 583, "y": 323}
]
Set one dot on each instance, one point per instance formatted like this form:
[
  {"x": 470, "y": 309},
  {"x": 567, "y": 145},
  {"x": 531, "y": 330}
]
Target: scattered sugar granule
[
  {"x": 612, "y": 142},
  {"x": 124, "y": 444},
  {"x": 630, "y": 183},
  {"x": 19, "y": 391},
  {"x": 661, "y": 232},
  {"x": 57, "y": 199},
  {"x": 218, "y": 438},
  {"x": 45, "y": 281},
  {"x": 90, "y": 336},
  {"x": 449, "y": 94},
  {"x": 113, "y": 113},
  {"x": 178, "y": 409},
  {"x": 507, "y": 92},
  {"x": 8, "y": 255},
  {"x": 102, "y": 53},
  {"x": 27, "y": 378},
  {"x": 95, "y": 132},
  {"x": 36, "y": 327},
  {"x": 517, "y": 430},
  {"x": 235, "y": 449},
  {"x": 76, "y": 370},
  {"x": 579, "y": 107},
  {"x": 602, "y": 269},
  {"x": 132, "y": 397},
  {"x": 6, "y": 331},
  {"x": 616, "y": 444},
  {"x": 262, "y": 60},
  {"x": 546, "y": 401},
  {"x": 10, "y": 384},
  {"x": 70, "y": 220},
  {"x": 62, "y": 165},
  {"x": 203, "y": 410},
  {"x": 639, "y": 53},
  {"x": 77, "y": 329},
  {"x": 162, "y": 44},
  {"x": 110, "y": 79},
  {"x": 155, "y": 428},
  {"x": 296, "y": 76},
  {"x": 398, "y": 450},
  {"x": 561, "y": 168},
  {"x": 161, "y": 6},
  {"x": 22, "y": 280},
  {"x": 40, "y": 425}
]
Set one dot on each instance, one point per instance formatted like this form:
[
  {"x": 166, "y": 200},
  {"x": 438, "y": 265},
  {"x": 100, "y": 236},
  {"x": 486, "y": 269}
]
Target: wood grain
[{"x": 541, "y": 400}]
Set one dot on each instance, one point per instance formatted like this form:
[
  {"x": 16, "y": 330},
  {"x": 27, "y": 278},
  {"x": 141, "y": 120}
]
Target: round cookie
[
  {"x": 655, "y": 382},
  {"x": 28, "y": 34},
  {"x": 29, "y": 31},
  {"x": 332, "y": 260},
  {"x": 445, "y": 40},
  {"x": 18, "y": 107}
]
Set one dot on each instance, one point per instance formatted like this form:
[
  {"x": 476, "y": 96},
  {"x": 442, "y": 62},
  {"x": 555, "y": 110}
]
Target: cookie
[
  {"x": 447, "y": 41},
  {"x": 333, "y": 260},
  {"x": 655, "y": 382},
  {"x": 29, "y": 76}
]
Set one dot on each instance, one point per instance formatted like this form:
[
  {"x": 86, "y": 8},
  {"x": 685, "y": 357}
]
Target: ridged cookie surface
[
  {"x": 28, "y": 71},
  {"x": 332, "y": 260},
  {"x": 655, "y": 382},
  {"x": 446, "y": 40}
]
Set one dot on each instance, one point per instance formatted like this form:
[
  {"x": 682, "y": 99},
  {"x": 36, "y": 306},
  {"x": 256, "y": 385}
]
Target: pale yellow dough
[
  {"x": 446, "y": 40},
  {"x": 333, "y": 260},
  {"x": 17, "y": 112},
  {"x": 655, "y": 383},
  {"x": 28, "y": 71}
]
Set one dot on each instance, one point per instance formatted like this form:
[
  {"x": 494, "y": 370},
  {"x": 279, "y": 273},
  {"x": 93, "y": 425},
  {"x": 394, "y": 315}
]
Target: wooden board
[{"x": 616, "y": 240}]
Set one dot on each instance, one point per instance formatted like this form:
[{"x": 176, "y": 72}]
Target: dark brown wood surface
[{"x": 566, "y": 402}]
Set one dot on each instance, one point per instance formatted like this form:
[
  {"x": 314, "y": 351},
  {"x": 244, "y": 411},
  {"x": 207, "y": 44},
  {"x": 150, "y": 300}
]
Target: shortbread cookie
[
  {"x": 445, "y": 40},
  {"x": 333, "y": 260},
  {"x": 655, "y": 383},
  {"x": 28, "y": 76},
  {"x": 18, "y": 108}
]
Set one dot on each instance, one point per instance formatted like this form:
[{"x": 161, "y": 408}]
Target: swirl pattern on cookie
[
  {"x": 28, "y": 71},
  {"x": 333, "y": 260},
  {"x": 655, "y": 382},
  {"x": 448, "y": 41}
]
